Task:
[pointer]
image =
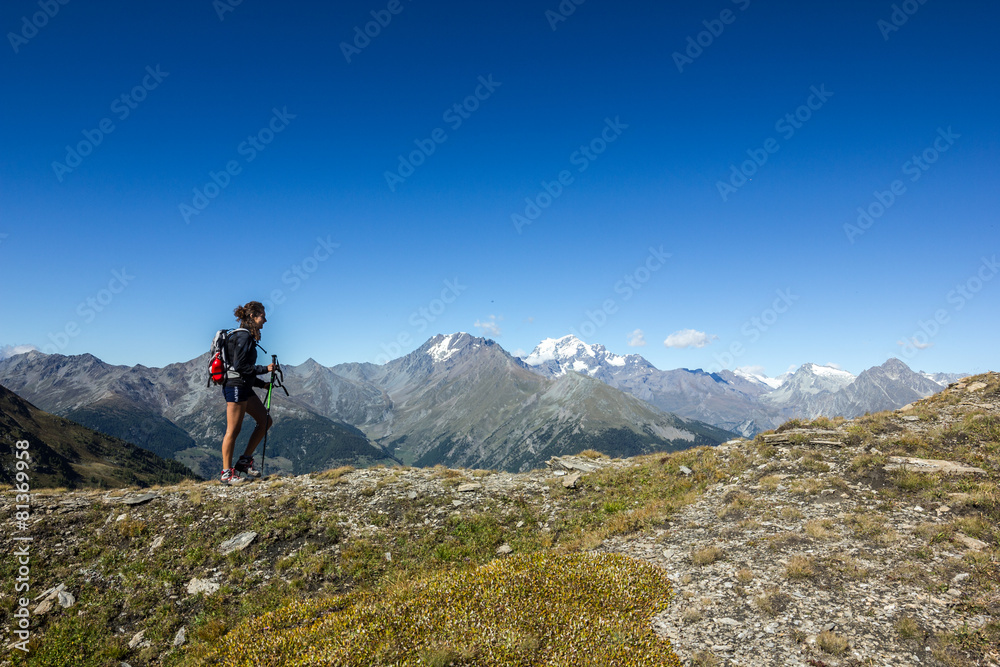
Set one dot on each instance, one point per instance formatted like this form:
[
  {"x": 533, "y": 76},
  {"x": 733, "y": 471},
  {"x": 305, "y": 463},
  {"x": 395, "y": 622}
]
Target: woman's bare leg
[
  {"x": 256, "y": 410},
  {"x": 234, "y": 422}
]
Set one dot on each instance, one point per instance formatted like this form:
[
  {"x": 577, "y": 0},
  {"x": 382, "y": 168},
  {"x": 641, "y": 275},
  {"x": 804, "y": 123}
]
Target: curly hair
[{"x": 245, "y": 315}]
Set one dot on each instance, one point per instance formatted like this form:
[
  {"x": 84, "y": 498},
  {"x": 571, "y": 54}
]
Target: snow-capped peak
[
  {"x": 443, "y": 349},
  {"x": 557, "y": 349},
  {"x": 747, "y": 374},
  {"x": 561, "y": 355}
]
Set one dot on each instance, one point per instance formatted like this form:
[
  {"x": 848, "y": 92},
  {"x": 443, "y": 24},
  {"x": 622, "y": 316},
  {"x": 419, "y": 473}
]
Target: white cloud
[
  {"x": 833, "y": 365},
  {"x": 689, "y": 338},
  {"x": 519, "y": 353},
  {"x": 753, "y": 370},
  {"x": 490, "y": 326},
  {"x": 915, "y": 343},
  {"x": 10, "y": 350},
  {"x": 637, "y": 339}
]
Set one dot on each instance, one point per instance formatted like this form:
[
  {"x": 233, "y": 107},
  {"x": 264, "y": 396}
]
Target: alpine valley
[{"x": 458, "y": 400}]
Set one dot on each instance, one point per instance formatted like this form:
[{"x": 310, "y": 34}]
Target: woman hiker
[{"x": 241, "y": 348}]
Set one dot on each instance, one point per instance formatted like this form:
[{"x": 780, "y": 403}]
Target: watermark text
[
  {"x": 381, "y": 18},
  {"x": 626, "y": 287},
  {"x": 901, "y": 13},
  {"x": 88, "y": 310},
  {"x": 755, "y": 327},
  {"x": 248, "y": 149},
  {"x": 696, "y": 44},
  {"x": 420, "y": 319},
  {"x": 454, "y": 116},
  {"x": 915, "y": 168},
  {"x": 22, "y": 549},
  {"x": 581, "y": 158},
  {"x": 121, "y": 107},
  {"x": 37, "y": 21},
  {"x": 787, "y": 126}
]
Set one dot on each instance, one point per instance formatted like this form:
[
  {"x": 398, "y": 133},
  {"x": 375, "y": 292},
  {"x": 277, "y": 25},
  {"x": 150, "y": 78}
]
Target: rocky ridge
[
  {"x": 781, "y": 567},
  {"x": 820, "y": 544}
]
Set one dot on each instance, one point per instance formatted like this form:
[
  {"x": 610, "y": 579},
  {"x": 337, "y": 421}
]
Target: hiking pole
[{"x": 277, "y": 379}]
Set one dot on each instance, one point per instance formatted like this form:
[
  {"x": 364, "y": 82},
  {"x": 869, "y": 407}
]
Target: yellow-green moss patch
[{"x": 538, "y": 609}]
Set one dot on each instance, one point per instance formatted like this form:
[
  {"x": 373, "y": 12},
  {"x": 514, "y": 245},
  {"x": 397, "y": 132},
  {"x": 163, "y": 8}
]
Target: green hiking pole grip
[{"x": 267, "y": 415}]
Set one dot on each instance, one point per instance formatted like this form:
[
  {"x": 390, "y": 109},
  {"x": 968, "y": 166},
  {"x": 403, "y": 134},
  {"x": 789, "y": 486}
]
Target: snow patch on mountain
[
  {"x": 836, "y": 374},
  {"x": 930, "y": 376},
  {"x": 443, "y": 350},
  {"x": 748, "y": 374}
]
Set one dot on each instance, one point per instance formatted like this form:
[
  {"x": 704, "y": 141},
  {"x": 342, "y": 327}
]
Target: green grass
[
  {"x": 907, "y": 628},
  {"x": 311, "y": 552}
]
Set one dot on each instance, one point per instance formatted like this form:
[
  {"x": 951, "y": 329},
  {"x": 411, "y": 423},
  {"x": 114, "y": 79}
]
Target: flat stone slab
[
  {"x": 932, "y": 465},
  {"x": 73, "y": 503},
  {"x": 571, "y": 464},
  {"x": 140, "y": 499},
  {"x": 471, "y": 486},
  {"x": 822, "y": 437},
  {"x": 238, "y": 543}
]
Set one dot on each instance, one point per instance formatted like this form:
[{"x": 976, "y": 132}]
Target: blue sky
[{"x": 688, "y": 171}]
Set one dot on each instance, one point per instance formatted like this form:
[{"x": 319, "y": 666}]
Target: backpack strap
[
  {"x": 220, "y": 346},
  {"x": 225, "y": 356},
  {"x": 225, "y": 348}
]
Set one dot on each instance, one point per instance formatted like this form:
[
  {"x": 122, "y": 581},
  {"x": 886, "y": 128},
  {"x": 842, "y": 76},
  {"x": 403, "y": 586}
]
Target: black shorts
[{"x": 235, "y": 393}]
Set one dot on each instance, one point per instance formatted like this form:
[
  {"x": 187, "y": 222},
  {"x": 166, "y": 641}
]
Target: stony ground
[
  {"x": 827, "y": 547},
  {"x": 794, "y": 567},
  {"x": 791, "y": 564}
]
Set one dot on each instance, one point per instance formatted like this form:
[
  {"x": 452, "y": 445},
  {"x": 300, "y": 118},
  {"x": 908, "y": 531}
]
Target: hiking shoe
[
  {"x": 245, "y": 465},
  {"x": 229, "y": 477}
]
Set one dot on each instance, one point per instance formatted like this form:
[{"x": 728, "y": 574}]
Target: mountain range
[
  {"x": 458, "y": 400},
  {"x": 737, "y": 400}
]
